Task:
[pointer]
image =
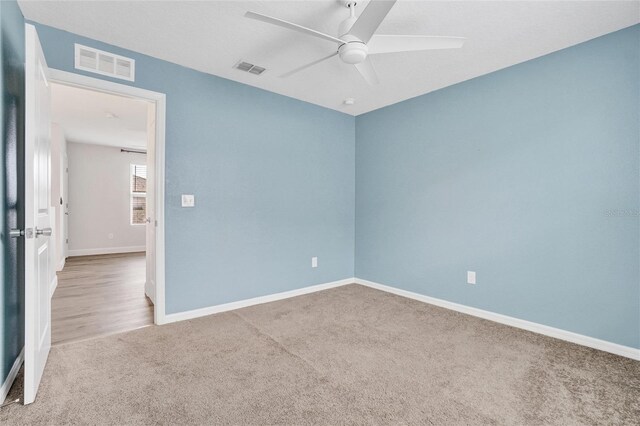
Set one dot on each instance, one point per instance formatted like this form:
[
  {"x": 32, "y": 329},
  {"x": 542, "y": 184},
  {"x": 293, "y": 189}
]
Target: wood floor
[{"x": 100, "y": 295}]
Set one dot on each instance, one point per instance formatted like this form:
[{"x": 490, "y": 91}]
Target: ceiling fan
[{"x": 356, "y": 40}]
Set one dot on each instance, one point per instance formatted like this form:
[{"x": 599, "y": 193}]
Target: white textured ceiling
[
  {"x": 212, "y": 36},
  {"x": 99, "y": 118}
]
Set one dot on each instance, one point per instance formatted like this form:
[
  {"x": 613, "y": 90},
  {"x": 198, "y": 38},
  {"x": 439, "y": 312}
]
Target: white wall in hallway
[{"x": 99, "y": 200}]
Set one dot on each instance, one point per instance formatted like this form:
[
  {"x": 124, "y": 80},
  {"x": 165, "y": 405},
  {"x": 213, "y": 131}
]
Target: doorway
[
  {"x": 99, "y": 192},
  {"x": 155, "y": 162}
]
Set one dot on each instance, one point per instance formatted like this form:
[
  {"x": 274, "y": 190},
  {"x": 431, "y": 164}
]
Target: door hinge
[{"x": 16, "y": 233}]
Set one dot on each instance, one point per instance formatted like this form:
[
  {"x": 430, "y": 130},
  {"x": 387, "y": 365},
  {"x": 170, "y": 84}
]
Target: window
[{"x": 138, "y": 194}]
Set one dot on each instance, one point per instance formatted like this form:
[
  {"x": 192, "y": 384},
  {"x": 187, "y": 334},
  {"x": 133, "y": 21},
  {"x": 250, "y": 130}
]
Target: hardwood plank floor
[{"x": 100, "y": 295}]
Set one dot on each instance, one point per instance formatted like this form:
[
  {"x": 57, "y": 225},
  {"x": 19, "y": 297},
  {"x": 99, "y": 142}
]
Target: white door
[
  {"x": 39, "y": 266},
  {"x": 150, "y": 283}
]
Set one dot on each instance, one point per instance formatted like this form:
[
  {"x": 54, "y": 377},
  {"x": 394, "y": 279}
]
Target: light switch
[
  {"x": 471, "y": 277},
  {"x": 314, "y": 262},
  {"x": 188, "y": 200}
]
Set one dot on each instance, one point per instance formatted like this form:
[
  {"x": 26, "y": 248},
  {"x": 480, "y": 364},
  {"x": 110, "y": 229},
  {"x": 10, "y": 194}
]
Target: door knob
[{"x": 45, "y": 231}]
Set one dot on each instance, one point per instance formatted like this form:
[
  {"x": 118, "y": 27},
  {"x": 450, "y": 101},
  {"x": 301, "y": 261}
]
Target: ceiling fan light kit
[
  {"x": 353, "y": 52},
  {"x": 357, "y": 40}
]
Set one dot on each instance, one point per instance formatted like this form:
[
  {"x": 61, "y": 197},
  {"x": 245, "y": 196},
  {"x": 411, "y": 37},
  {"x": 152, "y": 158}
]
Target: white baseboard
[
  {"x": 61, "y": 264},
  {"x": 149, "y": 291},
  {"x": 568, "y": 336},
  {"x": 557, "y": 333},
  {"x": 180, "y": 316},
  {"x": 106, "y": 250},
  {"x": 54, "y": 285},
  {"x": 11, "y": 377}
]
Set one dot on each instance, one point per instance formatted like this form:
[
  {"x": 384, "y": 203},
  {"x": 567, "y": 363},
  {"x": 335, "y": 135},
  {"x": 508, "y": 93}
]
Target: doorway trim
[{"x": 96, "y": 84}]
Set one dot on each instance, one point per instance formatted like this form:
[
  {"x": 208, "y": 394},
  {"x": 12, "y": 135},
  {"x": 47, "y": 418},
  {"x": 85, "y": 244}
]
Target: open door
[
  {"x": 150, "y": 283},
  {"x": 39, "y": 264}
]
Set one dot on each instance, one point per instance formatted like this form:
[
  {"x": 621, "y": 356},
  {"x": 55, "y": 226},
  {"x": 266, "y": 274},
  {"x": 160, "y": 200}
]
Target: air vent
[
  {"x": 253, "y": 69},
  {"x": 104, "y": 63}
]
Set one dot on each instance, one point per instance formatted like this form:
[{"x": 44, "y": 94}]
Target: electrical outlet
[
  {"x": 188, "y": 200},
  {"x": 471, "y": 277},
  {"x": 110, "y": 236},
  {"x": 314, "y": 262}
]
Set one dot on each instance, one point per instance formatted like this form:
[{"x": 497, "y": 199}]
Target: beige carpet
[{"x": 351, "y": 355}]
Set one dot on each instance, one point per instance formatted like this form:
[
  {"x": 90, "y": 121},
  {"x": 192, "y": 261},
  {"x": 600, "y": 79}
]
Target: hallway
[{"x": 100, "y": 295}]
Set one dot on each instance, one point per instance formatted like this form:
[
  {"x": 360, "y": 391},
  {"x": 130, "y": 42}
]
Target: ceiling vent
[
  {"x": 253, "y": 69},
  {"x": 104, "y": 63}
]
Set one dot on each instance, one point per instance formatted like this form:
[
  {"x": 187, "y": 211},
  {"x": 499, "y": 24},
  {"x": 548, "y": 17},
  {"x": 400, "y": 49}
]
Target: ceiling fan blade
[
  {"x": 368, "y": 72},
  {"x": 407, "y": 43},
  {"x": 292, "y": 26},
  {"x": 370, "y": 19},
  {"x": 308, "y": 65}
]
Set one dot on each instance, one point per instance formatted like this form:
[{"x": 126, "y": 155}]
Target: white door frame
[{"x": 96, "y": 84}]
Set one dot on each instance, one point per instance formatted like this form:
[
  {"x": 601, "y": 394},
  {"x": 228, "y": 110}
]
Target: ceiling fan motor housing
[{"x": 353, "y": 52}]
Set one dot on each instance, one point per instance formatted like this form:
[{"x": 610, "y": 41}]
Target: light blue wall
[
  {"x": 12, "y": 55},
  {"x": 528, "y": 176},
  {"x": 273, "y": 179}
]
